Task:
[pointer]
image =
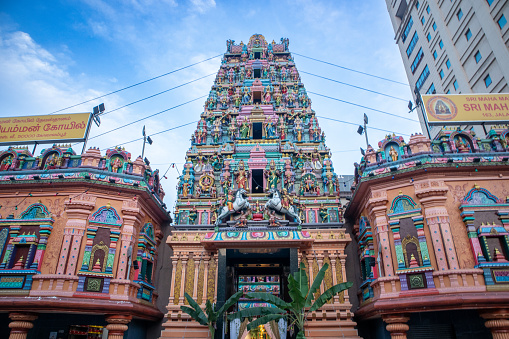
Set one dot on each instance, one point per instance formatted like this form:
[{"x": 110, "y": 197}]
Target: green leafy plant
[
  {"x": 212, "y": 314},
  {"x": 296, "y": 311}
]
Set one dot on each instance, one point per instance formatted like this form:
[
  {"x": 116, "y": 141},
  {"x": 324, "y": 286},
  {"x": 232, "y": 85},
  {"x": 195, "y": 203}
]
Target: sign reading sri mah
[
  {"x": 455, "y": 109},
  {"x": 44, "y": 128}
]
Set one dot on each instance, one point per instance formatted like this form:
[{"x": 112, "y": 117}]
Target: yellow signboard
[
  {"x": 44, "y": 128},
  {"x": 456, "y": 109}
]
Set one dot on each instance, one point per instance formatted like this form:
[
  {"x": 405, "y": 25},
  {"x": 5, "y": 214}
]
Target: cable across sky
[{"x": 137, "y": 84}]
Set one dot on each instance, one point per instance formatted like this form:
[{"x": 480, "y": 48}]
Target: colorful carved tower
[{"x": 258, "y": 194}]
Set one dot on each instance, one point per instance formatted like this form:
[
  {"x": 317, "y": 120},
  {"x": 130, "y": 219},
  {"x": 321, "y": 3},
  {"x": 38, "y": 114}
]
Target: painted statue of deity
[
  {"x": 246, "y": 96},
  {"x": 316, "y": 161},
  {"x": 393, "y": 154},
  {"x": 242, "y": 177},
  {"x": 270, "y": 129},
  {"x": 289, "y": 176},
  {"x": 461, "y": 145},
  {"x": 330, "y": 184},
  {"x": 216, "y": 161},
  {"x": 299, "y": 160},
  {"x": 232, "y": 128},
  {"x": 193, "y": 215},
  {"x": 272, "y": 175},
  {"x": 245, "y": 129},
  {"x": 299, "y": 129},
  {"x": 6, "y": 163},
  {"x": 282, "y": 128},
  {"x": 201, "y": 161},
  {"x": 324, "y": 214},
  {"x": 216, "y": 132},
  {"x": 117, "y": 164},
  {"x": 226, "y": 185}
]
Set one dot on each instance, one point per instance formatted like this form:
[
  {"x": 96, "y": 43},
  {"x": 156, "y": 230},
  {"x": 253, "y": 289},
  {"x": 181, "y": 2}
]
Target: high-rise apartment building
[{"x": 453, "y": 46}]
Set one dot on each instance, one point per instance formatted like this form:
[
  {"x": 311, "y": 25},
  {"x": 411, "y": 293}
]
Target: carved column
[
  {"x": 377, "y": 207},
  {"x": 197, "y": 262},
  {"x": 182, "y": 297},
  {"x": 132, "y": 216},
  {"x": 319, "y": 260},
  {"x": 335, "y": 281},
  {"x": 432, "y": 195},
  {"x": 20, "y": 325},
  {"x": 174, "y": 261},
  {"x": 205, "y": 278},
  {"x": 77, "y": 209},
  {"x": 498, "y": 323},
  {"x": 117, "y": 325},
  {"x": 397, "y": 325}
]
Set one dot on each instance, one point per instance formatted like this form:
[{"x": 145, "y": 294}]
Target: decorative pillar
[
  {"x": 498, "y": 323},
  {"x": 117, "y": 325},
  {"x": 197, "y": 262},
  {"x": 132, "y": 216},
  {"x": 174, "y": 261},
  {"x": 332, "y": 258},
  {"x": 185, "y": 257},
  {"x": 205, "y": 278},
  {"x": 77, "y": 209},
  {"x": 397, "y": 325},
  {"x": 20, "y": 325},
  {"x": 377, "y": 207}
]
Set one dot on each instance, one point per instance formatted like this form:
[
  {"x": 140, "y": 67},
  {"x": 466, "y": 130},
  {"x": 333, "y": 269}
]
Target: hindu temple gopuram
[{"x": 257, "y": 196}]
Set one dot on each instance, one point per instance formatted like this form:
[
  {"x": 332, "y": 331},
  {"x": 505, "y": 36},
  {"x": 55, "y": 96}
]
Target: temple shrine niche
[{"x": 258, "y": 194}]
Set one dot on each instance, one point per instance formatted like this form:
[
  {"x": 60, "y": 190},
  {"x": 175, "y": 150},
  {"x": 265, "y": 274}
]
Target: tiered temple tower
[{"x": 258, "y": 194}]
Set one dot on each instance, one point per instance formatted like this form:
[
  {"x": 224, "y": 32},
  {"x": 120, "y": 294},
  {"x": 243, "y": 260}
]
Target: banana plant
[
  {"x": 212, "y": 314},
  {"x": 296, "y": 311}
]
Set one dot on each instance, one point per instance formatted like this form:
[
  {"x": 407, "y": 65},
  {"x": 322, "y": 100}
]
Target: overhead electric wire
[
  {"x": 145, "y": 118},
  {"x": 352, "y": 123},
  {"x": 166, "y": 130},
  {"x": 154, "y": 95},
  {"x": 139, "y": 83},
  {"x": 352, "y": 70},
  {"x": 358, "y": 87},
  {"x": 354, "y": 104}
]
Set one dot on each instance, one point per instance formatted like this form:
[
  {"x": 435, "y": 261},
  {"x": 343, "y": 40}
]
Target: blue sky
[{"x": 54, "y": 54}]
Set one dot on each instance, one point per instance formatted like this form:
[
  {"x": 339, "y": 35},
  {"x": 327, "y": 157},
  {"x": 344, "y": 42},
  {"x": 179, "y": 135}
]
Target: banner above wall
[
  {"x": 39, "y": 129},
  {"x": 466, "y": 109}
]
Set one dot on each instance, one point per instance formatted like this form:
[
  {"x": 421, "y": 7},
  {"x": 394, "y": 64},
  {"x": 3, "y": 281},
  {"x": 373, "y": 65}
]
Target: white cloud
[{"x": 203, "y": 5}]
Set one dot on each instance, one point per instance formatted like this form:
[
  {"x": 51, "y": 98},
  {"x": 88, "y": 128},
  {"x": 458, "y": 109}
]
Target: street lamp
[
  {"x": 364, "y": 129},
  {"x": 146, "y": 139}
]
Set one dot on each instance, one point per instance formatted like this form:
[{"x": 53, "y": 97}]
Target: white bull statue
[
  {"x": 275, "y": 204},
  {"x": 239, "y": 203}
]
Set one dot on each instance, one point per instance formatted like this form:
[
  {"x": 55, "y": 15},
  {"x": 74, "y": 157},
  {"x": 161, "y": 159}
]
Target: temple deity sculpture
[
  {"x": 324, "y": 214},
  {"x": 272, "y": 176},
  {"x": 242, "y": 176},
  {"x": 299, "y": 129},
  {"x": 393, "y": 154},
  {"x": 270, "y": 129},
  {"x": 245, "y": 129},
  {"x": 6, "y": 163},
  {"x": 282, "y": 129},
  {"x": 216, "y": 161},
  {"x": 193, "y": 215}
]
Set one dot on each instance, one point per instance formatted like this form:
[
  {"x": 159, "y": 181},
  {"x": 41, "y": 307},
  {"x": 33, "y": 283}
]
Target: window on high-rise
[
  {"x": 431, "y": 89},
  {"x": 448, "y": 64},
  {"x": 455, "y": 84},
  {"x": 428, "y": 37},
  {"x": 417, "y": 61},
  {"x": 441, "y": 44},
  {"x": 448, "y": 91},
  {"x": 477, "y": 57},
  {"x": 434, "y": 26},
  {"x": 468, "y": 34},
  {"x": 422, "y": 78},
  {"x": 441, "y": 73},
  {"x": 417, "y": 4},
  {"x": 423, "y": 20},
  {"x": 502, "y": 21},
  {"x": 435, "y": 55},
  {"x": 459, "y": 14},
  {"x": 411, "y": 45},
  {"x": 407, "y": 29},
  {"x": 487, "y": 81},
  {"x": 489, "y": 2},
  {"x": 427, "y": 9}
]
